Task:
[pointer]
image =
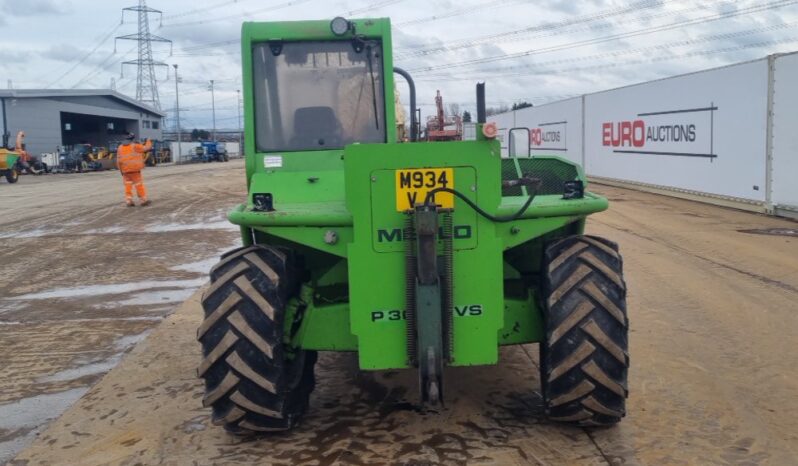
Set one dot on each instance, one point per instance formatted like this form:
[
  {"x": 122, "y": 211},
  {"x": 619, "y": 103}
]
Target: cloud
[
  {"x": 62, "y": 52},
  {"x": 13, "y": 56},
  {"x": 33, "y": 7},
  {"x": 727, "y": 7}
]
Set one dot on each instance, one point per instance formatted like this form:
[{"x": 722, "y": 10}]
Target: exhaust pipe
[
  {"x": 412, "y": 86},
  {"x": 481, "y": 117}
]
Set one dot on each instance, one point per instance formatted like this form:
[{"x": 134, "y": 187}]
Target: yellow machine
[
  {"x": 160, "y": 153},
  {"x": 105, "y": 157}
]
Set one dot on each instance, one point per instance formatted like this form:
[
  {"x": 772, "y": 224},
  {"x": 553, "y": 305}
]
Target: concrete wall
[{"x": 40, "y": 118}]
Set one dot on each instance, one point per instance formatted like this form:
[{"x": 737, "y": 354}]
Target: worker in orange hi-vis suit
[{"x": 130, "y": 160}]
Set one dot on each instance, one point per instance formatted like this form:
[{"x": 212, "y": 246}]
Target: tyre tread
[
  {"x": 584, "y": 358},
  {"x": 250, "y": 384}
]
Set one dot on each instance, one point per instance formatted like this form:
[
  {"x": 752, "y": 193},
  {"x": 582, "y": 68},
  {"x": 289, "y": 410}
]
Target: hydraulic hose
[{"x": 499, "y": 219}]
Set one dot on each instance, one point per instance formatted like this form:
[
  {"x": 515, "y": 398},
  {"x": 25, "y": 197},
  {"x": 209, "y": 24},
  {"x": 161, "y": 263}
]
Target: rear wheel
[
  {"x": 12, "y": 175},
  {"x": 253, "y": 381},
  {"x": 584, "y": 358}
]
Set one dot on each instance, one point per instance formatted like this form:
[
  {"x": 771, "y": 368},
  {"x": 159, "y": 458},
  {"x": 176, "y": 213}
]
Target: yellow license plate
[{"x": 413, "y": 185}]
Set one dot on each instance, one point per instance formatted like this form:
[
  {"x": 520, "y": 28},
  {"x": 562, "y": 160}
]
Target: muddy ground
[
  {"x": 713, "y": 309},
  {"x": 84, "y": 278}
]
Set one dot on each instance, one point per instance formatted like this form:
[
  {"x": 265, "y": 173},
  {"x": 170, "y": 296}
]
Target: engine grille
[{"x": 552, "y": 172}]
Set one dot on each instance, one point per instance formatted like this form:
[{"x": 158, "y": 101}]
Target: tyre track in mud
[{"x": 641, "y": 226}]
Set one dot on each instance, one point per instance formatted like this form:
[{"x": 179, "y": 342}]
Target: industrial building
[{"x": 63, "y": 117}]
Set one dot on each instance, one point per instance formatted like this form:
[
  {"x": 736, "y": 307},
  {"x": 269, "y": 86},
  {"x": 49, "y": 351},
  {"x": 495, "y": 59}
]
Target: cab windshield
[{"x": 318, "y": 95}]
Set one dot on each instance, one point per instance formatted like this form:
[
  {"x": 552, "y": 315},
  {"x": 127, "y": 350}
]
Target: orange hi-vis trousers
[{"x": 131, "y": 180}]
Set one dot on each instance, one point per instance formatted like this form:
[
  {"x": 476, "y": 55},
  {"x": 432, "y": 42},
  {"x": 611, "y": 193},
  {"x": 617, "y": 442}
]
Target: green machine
[{"x": 415, "y": 255}]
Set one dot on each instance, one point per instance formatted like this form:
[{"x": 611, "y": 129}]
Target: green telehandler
[{"x": 416, "y": 255}]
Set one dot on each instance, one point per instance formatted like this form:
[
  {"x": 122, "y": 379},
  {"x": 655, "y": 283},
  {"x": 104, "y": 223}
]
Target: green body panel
[
  {"x": 522, "y": 321},
  {"x": 337, "y": 210},
  {"x": 477, "y": 270},
  {"x": 327, "y": 328}
]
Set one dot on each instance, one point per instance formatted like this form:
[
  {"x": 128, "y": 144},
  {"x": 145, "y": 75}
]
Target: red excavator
[{"x": 441, "y": 127}]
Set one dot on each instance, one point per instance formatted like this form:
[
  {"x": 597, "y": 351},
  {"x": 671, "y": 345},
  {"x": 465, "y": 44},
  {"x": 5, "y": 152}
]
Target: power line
[
  {"x": 553, "y": 28},
  {"x": 614, "y": 54},
  {"x": 279, "y": 6},
  {"x": 605, "y": 66},
  {"x": 202, "y": 9},
  {"x": 105, "y": 63},
  {"x": 458, "y": 12},
  {"x": 613, "y": 37},
  {"x": 186, "y": 51},
  {"x": 85, "y": 57},
  {"x": 372, "y": 7}
]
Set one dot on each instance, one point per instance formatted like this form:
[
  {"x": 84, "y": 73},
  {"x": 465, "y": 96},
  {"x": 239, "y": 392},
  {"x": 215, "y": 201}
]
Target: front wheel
[
  {"x": 12, "y": 175},
  {"x": 253, "y": 381},
  {"x": 584, "y": 357}
]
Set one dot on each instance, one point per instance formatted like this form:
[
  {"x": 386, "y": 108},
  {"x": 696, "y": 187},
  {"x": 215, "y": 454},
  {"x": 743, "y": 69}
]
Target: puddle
[
  {"x": 28, "y": 415},
  {"x": 95, "y": 366},
  {"x": 168, "y": 227},
  {"x": 127, "y": 341},
  {"x": 155, "y": 297},
  {"x": 105, "y": 231},
  {"x": 201, "y": 266},
  {"x": 772, "y": 231},
  {"x": 95, "y": 290},
  {"x": 73, "y": 223},
  {"x": 35, "y": 233},
  {"x": 10, "y": 306},
  {"x": 95, "y": 319}
]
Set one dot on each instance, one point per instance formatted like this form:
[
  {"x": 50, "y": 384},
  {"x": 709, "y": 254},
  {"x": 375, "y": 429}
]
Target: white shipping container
[
  {"x": 701, "y": 132},
  {"x": 504, "y": 122},
  {"x": 784, "y": 165},
  {"x": 729, "y": 133},
  {"x": 183, "y": 151},
  {"x": 233, "y": 149},
  {"x": 549, "y": 129}
]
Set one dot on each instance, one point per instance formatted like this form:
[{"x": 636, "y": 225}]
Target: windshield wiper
[{"x": 373, "y": 87}]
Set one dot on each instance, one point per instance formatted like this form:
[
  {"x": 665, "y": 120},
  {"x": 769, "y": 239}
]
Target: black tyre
[
  {"x": 584, "y": 358},
  {"x": 12, "y": 175},
  {"x": 253, "y": 382}
]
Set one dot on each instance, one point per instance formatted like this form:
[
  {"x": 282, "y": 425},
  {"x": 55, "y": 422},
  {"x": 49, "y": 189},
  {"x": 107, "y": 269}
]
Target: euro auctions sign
[
  {"x": 687, "y": 132},
  {"x": 549, "y": 136}
]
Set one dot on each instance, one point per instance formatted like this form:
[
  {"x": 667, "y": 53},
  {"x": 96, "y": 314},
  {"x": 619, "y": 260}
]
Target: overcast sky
[{"x": 526, "y": 50}]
